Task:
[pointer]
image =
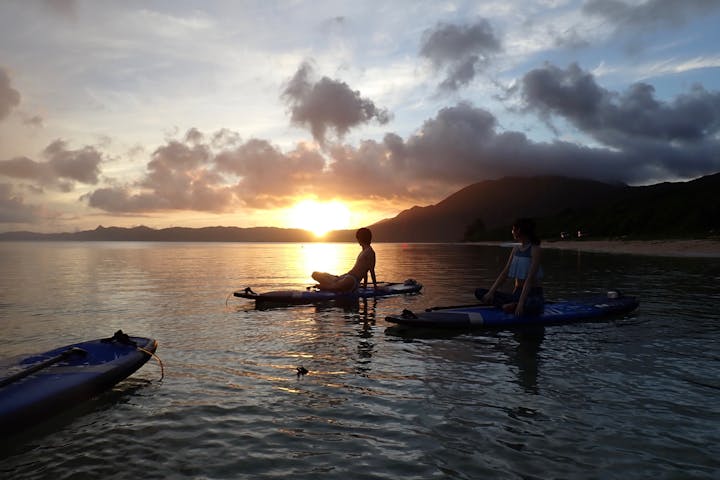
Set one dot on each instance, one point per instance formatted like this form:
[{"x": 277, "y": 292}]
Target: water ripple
[{"x": 629, "y": 398}]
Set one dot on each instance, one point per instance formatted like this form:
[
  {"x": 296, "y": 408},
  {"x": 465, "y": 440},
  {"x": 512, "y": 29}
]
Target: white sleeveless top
[{"x": 520, "y": 264}]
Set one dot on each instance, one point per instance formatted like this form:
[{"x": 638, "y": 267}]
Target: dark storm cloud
[
  {"x": 457, "y": 147},
  {"x": 648, "y": 14},
  {"x": 328, "y": 105},
  {"x": 657, "y": 138},
  {"x": 9, "y": 97},
  {"x": 461, "y": 51},
  {"x": 62, "y": 169},
  {"x": 461, "y": 145},
  {"x": 13, "y": 209},
  {"x": 632, "y": 121}
]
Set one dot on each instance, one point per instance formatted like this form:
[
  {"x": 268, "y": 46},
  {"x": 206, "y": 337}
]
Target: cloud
[
  {"x": 613, "y": 118},
  {"x": 9, "y": 97},
  {"x": 63, "y": 8},
  {"x": 35, "y": 121},
  {"x": 648, "y": 14},
  {"x": 328, "y": 105},
  {"x": 191, "y": 175},
  {"x": 461, "y": 145},
  {"x": 61, "y": 170},
  {"x": 81, "y": 165},
  {"x": 373, "y": 169},
  {"x": 179, "y": 177},
  {"x": 13, "y": 209},
  {"x": 679, "y": 136},
  {"x": 462, "y": 51},
  {"x": 571, "y": 39},
  {"x": 267, "y": 176},
  {"x": 642, "y": 136}
]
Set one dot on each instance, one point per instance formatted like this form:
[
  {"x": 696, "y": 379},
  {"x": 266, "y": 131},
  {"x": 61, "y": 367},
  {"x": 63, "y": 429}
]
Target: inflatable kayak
[
  {"x": 554, "y": 313},
  {"x": 314, "y": 295},
  {"x": 40, "y": 386}
]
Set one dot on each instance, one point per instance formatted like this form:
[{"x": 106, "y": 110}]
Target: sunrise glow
[{"x": 319, "y": 217}]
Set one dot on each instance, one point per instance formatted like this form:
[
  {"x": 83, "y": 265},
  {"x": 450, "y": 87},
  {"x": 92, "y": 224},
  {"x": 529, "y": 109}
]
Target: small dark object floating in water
[{"x": 301, "y": 371}]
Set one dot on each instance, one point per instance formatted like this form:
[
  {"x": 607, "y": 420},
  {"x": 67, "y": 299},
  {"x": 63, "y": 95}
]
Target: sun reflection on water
[{"x": 333, "y": 258}]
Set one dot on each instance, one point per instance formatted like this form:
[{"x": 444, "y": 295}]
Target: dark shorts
[{"x": 533, "y": 303}]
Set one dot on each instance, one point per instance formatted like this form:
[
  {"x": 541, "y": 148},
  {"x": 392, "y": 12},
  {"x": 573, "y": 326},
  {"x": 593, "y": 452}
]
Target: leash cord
[{"x": 152, "y": 354}]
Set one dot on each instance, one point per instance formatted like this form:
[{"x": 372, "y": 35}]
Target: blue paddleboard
[
  {"x": 40, "y": 386},
  {"x": 314, "y": 295},
  {"x": 554, "y": 313}
]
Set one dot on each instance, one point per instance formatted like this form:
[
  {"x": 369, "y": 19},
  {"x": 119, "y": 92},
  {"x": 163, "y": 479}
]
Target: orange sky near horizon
[
  {"x": 307, "y": 213},
  {"x": 167, "y": 114}
]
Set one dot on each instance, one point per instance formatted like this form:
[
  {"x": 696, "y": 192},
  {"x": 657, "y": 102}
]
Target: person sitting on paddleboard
[
  {"x": 351, "y": 280},
  {"x": 524, "y": 267}
]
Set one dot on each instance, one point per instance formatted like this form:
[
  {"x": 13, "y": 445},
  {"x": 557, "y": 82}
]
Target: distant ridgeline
[
  {"x": 486, "y": 210},
  {"x": 665, "y": 210},
  {"x": 175, "y": 234}
]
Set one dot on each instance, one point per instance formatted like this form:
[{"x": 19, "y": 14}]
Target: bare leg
[
  {"x": 344, "y": 284},
  {"x": 324, "y": 279},
  {"x": 328, "y": 281}
]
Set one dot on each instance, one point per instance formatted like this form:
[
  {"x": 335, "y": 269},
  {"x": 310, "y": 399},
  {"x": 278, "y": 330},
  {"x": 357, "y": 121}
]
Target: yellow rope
[{"x": 152, "y": 354}]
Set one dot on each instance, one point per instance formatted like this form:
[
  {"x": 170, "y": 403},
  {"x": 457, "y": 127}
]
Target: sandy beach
[{"x": 667, "y": 248}]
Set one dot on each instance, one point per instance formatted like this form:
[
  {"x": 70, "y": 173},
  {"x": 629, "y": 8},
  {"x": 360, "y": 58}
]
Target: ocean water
[{"x": 633, "y": 397}]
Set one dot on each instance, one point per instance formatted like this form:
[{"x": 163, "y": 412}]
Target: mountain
[
  {"x": 486, "y": 210},
  {"x": 665, "y": 210},
  {"x": 496, "y": 203},
  {"x": 174, "y": 234}
]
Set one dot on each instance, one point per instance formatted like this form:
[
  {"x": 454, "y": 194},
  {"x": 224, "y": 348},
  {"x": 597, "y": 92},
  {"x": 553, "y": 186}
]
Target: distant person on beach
[
  {"x": 524, "y": 267},
  {"x": 364, "y": 264}
]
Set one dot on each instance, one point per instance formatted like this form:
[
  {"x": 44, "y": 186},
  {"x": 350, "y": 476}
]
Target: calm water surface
[{"x": 630, "y": 398}]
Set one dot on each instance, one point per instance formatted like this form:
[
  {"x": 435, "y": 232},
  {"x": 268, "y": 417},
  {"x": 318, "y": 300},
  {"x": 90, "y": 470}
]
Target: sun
[{"x": 319, "y": 217}]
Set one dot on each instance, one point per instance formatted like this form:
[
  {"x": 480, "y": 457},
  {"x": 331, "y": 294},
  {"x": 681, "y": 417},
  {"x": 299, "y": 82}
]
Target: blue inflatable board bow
[{"x": 40, "y": 386}]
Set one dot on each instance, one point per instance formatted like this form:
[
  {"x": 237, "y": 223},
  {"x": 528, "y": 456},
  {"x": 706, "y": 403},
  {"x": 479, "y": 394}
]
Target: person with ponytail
[
  {"x": 364, "y": 264},
  {"x": 523, "y": 266}
]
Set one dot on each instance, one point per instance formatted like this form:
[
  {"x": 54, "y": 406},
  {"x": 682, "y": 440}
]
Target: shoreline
[{"x": 664, "y": 248}]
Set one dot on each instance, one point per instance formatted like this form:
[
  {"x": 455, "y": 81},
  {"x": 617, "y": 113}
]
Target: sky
[{"x": 337, "y": 114}]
